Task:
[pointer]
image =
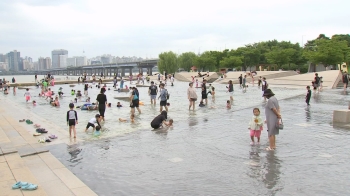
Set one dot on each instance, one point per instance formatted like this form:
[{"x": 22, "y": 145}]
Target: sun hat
[{"x": 268, "y": 92}]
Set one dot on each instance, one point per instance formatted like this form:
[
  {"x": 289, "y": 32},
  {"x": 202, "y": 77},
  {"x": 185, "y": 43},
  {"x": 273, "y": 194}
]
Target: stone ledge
[{"x": 341, "y": 116}]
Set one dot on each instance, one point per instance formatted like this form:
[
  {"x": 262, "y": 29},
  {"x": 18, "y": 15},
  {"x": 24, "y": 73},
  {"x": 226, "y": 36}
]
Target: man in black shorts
[
  {"x": 163, "y": 98},
  {"x": 134, "y": 100},
  {"x": 204, "y": 92}
]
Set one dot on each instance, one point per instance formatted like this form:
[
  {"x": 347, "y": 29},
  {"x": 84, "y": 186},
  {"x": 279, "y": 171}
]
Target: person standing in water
[
  {"x": 308, "y": 95},
  {"x": 192, "y": 96},
  {"x": 345, "y": 80},
  {"x": 273, "y": 115},
  {"x": 135, "y": 100},
  {"x": 240, "y": 78},
  {"x": 230, "y": 90},
  {"x": 153, "y": 91},
  {"x": 163, "y": 98},
  {"x": 204, "y": 92},
  {"x": 102, "y": 102},
  {"x": 26, "y": 94},
  {"x": 264, "y": 86}
]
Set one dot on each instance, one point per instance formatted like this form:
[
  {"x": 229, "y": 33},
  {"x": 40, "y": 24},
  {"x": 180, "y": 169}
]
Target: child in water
[
  {"x": 228, "y": 104},
  {"x": 72, "y": 120},
  {"x": 27, "y": 95},
  {"x": 119, "y": 105},
  {"x": 255, "y": 126},
  {"x": 170, "y": 123},
  {"x": 109, "y": 105},
  {"x": 132, "y": 119},
  {"x": 97, "y": 131},
  {"x": 93, "y": 121},
  {"x": 213, "y": 94},
  {"x": 34, "y": 103},
  {"x": 72, "y": 92},
  {"x": 201, "y": 104}
]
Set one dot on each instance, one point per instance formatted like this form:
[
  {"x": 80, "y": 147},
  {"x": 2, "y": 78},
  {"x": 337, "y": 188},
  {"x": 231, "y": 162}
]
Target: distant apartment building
[
  {"x": 14, "y": 60},
  {"x": 44, "y": 63},
  {"x": 71, "y": 62},
  {"x": 59, "y": 58},
  {"x": 3, "y": 58},
  {"x": 4, "y": 66},
  {"x": 77, "y": 61},
  {"x": 81, "y": 60},
  {"x": 63, "y": 60},
  {"x": 106, "y": 59}
]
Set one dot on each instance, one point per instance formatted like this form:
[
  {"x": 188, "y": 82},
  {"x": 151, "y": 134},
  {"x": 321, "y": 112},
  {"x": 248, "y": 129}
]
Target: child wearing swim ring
[{"x": 255, "y": 126}]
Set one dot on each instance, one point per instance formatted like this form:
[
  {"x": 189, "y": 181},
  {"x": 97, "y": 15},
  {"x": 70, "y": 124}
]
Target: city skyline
[{"x": 147, "y": 28}]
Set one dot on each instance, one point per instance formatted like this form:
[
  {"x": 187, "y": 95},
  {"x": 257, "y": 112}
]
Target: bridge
[{"x": 107, "y": 69}]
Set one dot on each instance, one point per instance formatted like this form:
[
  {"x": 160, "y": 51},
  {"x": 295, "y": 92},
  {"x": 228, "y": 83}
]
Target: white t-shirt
[
  {"x": 93, "y": 121},
  {"x": 27, "y": 93}
]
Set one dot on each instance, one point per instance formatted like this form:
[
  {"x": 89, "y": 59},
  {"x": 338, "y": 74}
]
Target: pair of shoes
[
  {"x": 22, "y": 120},
  {"x": 52, "y": 136},
  {"x": 29, "y": 122},
  {"x": 269, "y": 149},
  {"x": 36, "y": 134},
  {"x": 41, "y": 140},
  {"x": 252, "y": 143},
  {"x": 47, "y": 140},
  {"x": 41, "y": 130}
]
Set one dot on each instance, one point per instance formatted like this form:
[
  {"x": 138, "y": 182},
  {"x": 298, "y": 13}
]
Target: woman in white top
[{"x": 191, "y": 95}]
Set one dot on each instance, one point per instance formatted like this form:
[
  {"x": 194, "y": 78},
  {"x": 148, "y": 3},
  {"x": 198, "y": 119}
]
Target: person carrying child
[
  {"x": 255, "y": 126},
  {"x": 72, "y": 120},
  {"x": 93, "y": 121}
]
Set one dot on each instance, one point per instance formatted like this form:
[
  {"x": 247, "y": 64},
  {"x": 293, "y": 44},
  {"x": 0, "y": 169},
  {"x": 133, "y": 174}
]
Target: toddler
[
  {"x": 255, "y": 126},
  {"x": 72, "y": 120},
  {"x": 27, "y": 95},
  {"x": 93, "y": 121},
  {"x": 228, "y": 104},
  {"x": 97, "y": 131},
  {"x": 119, "y": 105}
]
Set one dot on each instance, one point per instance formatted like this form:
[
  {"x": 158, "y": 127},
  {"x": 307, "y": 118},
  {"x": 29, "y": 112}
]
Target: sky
[{"x": 146, "y": 28}]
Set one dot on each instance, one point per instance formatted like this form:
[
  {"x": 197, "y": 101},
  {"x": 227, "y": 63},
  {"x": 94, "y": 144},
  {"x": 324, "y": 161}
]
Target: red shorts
[{"x": 255, "y": 133}]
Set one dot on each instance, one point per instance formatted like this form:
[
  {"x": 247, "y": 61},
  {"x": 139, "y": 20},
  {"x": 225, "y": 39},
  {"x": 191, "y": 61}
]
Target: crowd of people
[{"x": 159, "y": 91}]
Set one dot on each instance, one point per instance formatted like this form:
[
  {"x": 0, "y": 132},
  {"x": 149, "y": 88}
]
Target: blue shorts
[{"x": 153, "y": 96}]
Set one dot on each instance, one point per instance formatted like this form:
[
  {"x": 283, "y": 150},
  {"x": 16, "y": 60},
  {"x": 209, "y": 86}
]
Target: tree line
[{"x": 278, "y": 54}]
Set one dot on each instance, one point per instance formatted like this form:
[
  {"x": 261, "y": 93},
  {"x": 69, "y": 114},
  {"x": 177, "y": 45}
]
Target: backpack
[{"x": 167, "y": 95}]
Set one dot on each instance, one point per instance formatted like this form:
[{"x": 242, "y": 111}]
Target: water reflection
[
  {"x": 74, "y": 151},
  {"x": 271, "y": 172},
  {"x": 307, "y": 113}
]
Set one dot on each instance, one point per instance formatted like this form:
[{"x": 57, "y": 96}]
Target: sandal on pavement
[
  {"x": 36, "y": 134},
  {"x": 30, "y": 186},
  {"x": 22, "y": 120},
  {"x": 36, "y": 125},
  {"x": 52, "y": 136},
  {"x": 19, "y": 184},
  {"x": 269, "y": 149},
  {"x": 42, "y": 140},
  {"x": 47, "y": 140},
  {"x": 41, "y": 130}
]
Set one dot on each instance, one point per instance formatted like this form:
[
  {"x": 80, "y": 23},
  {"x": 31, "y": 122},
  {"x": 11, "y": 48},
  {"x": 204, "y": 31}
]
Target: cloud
[{"x": 147, "y": 28}]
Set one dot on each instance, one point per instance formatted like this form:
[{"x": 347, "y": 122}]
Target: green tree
[
  {"x": 206, "y": 62},
  {"x": 167, "y": 62},
  {"x": 231, "y": 62},
  {"x": 327, "y": 52},
  {"x": 279, "y": 56},
  {"x": 187, "y": 60}
]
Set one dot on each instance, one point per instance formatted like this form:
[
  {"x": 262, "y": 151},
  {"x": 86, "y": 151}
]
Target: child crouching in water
[
  {"x": 97, "y": 131},
  {"x": 255, "y": 126},
  {"x": 93, "y": 121}
]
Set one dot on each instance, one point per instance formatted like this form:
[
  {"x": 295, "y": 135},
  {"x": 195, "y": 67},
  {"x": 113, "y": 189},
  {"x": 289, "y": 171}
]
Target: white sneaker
[{"x": 252, "y": 143}]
